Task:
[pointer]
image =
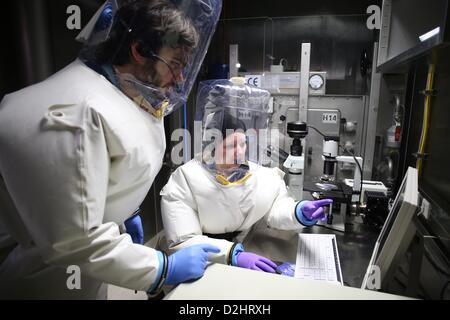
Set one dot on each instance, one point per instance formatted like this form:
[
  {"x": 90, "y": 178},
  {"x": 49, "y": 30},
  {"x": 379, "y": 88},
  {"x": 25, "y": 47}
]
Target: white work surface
[{"x": 222, "y": 282}]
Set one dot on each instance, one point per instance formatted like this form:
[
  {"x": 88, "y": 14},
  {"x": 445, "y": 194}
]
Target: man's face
[
  {"x": 163, "y": 76},
  {"x": 231, "y": 152},
  {"x": 176, "y": 58}
]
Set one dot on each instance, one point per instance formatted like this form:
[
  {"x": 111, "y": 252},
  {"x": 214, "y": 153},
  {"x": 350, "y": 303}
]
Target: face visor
[
  {"x": 171, "y": 40},
  {"x": 234, "y": 128}
]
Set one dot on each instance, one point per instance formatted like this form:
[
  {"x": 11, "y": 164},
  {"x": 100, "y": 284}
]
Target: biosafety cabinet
[
  {"x": 382, "y": 93},
  {"x": 412, "y": 81}
]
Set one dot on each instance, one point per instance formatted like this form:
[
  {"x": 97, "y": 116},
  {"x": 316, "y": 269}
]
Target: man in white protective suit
[
  {"x": 80, "y": 151},
  {"x": 219, "y": 195}
]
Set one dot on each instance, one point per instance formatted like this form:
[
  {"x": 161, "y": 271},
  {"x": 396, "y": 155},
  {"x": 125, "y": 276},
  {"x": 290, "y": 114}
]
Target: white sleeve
[
  {"x": 282, "y": 214},
  {"x": 181, "y": 221},
  {"x": 59, "y": 188}
]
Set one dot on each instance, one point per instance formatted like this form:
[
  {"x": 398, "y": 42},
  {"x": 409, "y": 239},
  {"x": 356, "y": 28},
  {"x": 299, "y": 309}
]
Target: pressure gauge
[{"x": 316, "y": 81}]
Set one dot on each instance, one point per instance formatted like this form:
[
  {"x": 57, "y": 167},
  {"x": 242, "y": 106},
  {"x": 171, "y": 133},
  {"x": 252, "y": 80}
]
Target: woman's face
[{"x": 230, "y": 153}]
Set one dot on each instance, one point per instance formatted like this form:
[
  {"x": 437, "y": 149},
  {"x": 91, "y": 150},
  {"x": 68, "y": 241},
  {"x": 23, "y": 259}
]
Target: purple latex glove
[
  {"x": 313, "y": 210},
  {"x": 253, "y": 261}
]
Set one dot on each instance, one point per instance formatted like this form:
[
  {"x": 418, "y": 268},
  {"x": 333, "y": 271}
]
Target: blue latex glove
[
  {"x": 188, "y": 263},
  {"x": 135, "y": 229},
  {"x": 309, "y": 212},
  {"x": 253, "y": 261}
]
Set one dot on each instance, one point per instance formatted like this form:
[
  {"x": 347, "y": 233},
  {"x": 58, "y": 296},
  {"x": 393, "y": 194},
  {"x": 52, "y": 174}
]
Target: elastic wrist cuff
[
  {"x": 234, "y": 251},
  {"x": 162, "y": 274},
  {"x": 301, "y": 218}
]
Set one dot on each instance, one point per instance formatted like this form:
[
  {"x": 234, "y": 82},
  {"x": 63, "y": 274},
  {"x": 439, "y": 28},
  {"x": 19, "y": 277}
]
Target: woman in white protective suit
[
  {"x": 80, "y": 151},
  {"x": 220, "y": 194}
]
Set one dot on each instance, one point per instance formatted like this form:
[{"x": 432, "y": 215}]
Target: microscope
[
  {"x": 364, "y": 198},
  {"x": 330, "y": 158},
  {"x": 295, "y": 162}
]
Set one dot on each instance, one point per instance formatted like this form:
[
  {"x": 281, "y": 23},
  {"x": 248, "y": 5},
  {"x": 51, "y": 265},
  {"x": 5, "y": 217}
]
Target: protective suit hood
[{"x": 186, "y": 24}]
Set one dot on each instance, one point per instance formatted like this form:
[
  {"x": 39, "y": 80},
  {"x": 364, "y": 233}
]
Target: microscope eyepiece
[{"x": 297, "y": 129}]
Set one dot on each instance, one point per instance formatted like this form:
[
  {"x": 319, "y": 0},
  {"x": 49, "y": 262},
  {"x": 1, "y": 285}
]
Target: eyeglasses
[{"x": 172, "y": 65}]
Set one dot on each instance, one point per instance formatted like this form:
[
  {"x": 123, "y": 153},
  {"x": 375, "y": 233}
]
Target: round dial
[{"x": 316, "y": 81}]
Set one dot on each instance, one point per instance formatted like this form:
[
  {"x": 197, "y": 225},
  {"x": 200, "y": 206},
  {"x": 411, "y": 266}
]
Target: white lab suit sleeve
[
  {"x": 282, "y": 214},
  {"x": 181, "y": 221},
  {"x": 60, "y": 187}
]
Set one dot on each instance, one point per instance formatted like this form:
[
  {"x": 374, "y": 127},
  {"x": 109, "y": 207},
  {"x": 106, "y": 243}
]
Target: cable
[
  {"x": 426, "y": 118},
  {"x": 360, "y": 169},
  {"x": 350, "y": 153},
  {"x": 317, "y": 130}
]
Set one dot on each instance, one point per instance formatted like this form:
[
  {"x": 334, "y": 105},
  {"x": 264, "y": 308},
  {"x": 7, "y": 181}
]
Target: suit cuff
[
  {"x": 162, "y": 268},
  {"x": 235, "y": 250},
  {"x": 301, "y": 218}
]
